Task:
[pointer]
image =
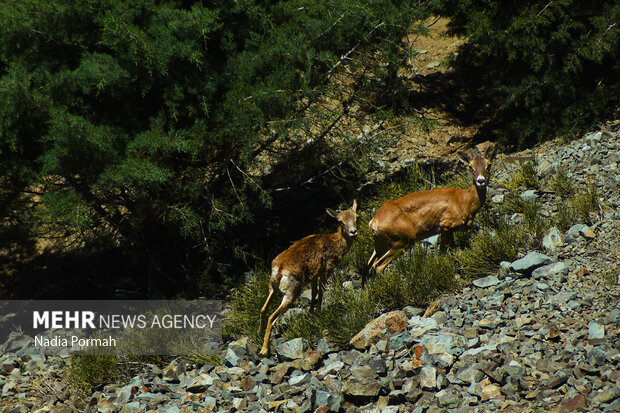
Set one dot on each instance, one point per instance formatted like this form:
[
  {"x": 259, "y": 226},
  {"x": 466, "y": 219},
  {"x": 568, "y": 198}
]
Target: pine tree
[
  {"x": 549, "y": 68},
  {"x": 161, "y": 126}
]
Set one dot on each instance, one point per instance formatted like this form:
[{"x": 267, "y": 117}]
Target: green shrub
[
  {"x": 246, "y": 303},
  {"x": 158, "y": 345},
  {"x": 577, "y": 209},
  {"x": 490, "y": 247},
  {"x": 564, "y": 217},
  {"x": 561, "y": 185},
  {"x": 610, "y": 278},
  {"x": 585, "y": 203},
  {"x": 92, "y": 370},
  {"x": 414, "y": 278},
  {"x": 534, "y": 222},
  {"x": 525, "y": 175},
  {"x": 523, "y": 57},
  {"x": 344, "y": 313}
]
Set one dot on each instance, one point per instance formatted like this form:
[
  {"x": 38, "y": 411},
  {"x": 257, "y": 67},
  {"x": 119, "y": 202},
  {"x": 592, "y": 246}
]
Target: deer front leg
[
  {"x": 320, "y": 299},
  {"x": 446, "y": 241}
]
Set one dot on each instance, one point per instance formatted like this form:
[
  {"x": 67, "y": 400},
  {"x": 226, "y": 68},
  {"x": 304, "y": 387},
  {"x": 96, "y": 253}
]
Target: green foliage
[
  {"x": 490, "y": 247},
  {"x": 91, "y": 370},
  {"x": 561, "y": 185},
  {"x": 585, "y": 203},
  {"x": 610, "y": 278},
  {"x": 414, "y": 278},
  {"x": 167, "y": 126},
  {"x": 525, "y": 175},
  {"x": 156, "y": 344},
  {"x": 246, "y": 303},
  {"x": 344, "y": 313},
  {"x": 550, "y": 68},
  {"x": 576, "y": 209},
  {"x": 565, "y": 217}
]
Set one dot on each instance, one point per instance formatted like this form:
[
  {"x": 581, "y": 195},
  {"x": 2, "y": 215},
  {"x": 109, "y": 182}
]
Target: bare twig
[
  {"x": 544, "y": 8},
  {"x": 346, "y": 55}
]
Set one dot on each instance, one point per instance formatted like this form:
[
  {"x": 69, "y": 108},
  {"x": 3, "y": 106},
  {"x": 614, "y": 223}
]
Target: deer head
[{"x": 347, "y": 220}]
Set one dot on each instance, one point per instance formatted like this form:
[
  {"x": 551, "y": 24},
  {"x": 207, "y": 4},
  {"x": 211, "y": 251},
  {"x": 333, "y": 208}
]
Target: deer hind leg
[
  {"x": 273, "y": 285},
  {"x": 387, "y": 258},
  {"x": 291, "y": 292},
  {"x": 369, "y": 266},
  {"x": 381, "y": 249}
]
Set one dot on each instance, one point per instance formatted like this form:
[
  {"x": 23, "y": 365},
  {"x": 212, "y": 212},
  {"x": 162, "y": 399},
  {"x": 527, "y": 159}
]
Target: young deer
[
  {"x": 309, "y": 260},
  {"x": 399, "y": 223}
]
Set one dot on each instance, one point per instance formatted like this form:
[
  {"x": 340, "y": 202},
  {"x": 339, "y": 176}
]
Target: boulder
[{"x": 382, "y": 327}]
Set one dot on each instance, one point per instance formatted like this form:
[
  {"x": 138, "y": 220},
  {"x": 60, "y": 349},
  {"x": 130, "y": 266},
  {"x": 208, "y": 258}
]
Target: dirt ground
[{"x": 429, "y": 73}]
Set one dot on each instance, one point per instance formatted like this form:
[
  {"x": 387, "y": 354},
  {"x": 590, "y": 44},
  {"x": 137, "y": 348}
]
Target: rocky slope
[{"x": 540, "y": 334}]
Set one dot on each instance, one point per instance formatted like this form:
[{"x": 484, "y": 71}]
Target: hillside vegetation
[{"x": 171, "y": 146}]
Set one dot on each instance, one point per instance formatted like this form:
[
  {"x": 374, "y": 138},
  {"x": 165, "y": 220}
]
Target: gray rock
[
  {"x": 529, "y": 195},
  {"x": 552, "y": 238},
  {"x": 596, "y": 332},
  {"x": 299, "y": 379},
  {"x": 124, "y": 394},
  {"x": 577, "y": 232},
  {"x": 514, "y": 369},
  {"x": 210, "y": 402},
  {"x": 479, "y": 350},
  {"x": 448, "y": 398},
  {"x": 431, "y": 241},
  {"x": 442, "y": 343},
  {"x": 137, "y": 407},
  {"x": 428, "y": 378},
  {"x": 562, "y": 298},
  {"x": 487, "y": 281},
  {"x": 329, "y": 399},
  {"x": 200, "y": 384},
  {"x": 593, "y": 137},
  {"x": 330, "y": 368},
  {"x": 325, "y": 346},
  {"x": 530, "y": 262},
  {"x": 546, "y": 271},
  {"x": 504, "y": 268},
  {"x": 495, "y": 301},
  {"x": 470, "y": 375},
  {"x": 419, "y": 325},
  {"x": 235, "y": 352},
  {"x": 292, "y": 349},
  {"x": 360, "y": 388}
]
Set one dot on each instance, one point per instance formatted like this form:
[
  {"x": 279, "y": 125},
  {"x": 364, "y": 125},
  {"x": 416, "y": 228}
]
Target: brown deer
[
  {"x": 309, "y": 260},
  {"x": 399, "y": 223}
]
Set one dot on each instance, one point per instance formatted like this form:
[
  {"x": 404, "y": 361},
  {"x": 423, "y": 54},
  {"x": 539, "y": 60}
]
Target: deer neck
[
  {"x": 346, "y": 240},
  {"x": 476, "y": 197}
]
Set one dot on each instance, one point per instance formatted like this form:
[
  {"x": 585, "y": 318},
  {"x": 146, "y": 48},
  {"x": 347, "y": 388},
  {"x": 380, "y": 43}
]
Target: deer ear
[
  {"x": 354, "y": 206},
  {"x": 491, "y": 152},
  {"x": 463, "y": 157},
  {"x": 331, "y": 213}
]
